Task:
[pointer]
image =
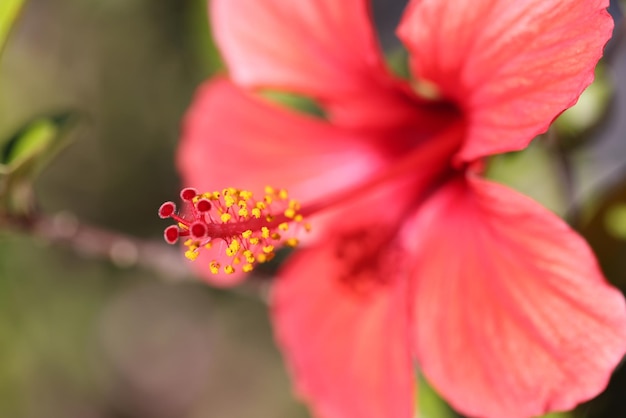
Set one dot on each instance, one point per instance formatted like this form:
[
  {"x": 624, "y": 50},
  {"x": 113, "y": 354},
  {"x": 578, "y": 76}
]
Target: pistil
[{"x": 251, "y": 229}]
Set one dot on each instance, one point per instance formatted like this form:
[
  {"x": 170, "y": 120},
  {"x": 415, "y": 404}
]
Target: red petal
[
  {"x": 347, "y": 349},
  {"x": 513, "y": 66},
  {"x": 325, "y": 49},
  {"x": 512, "y": 315},
  {"x": 232, "y": 139},
  {"x": 321, "y": 48}
]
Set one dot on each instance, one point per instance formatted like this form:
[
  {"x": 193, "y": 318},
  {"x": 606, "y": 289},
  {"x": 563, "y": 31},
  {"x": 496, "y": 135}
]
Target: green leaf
[
  {"x": 38, "y": 139},
  {"x": 9, "y": 9},
  {"x": 23, "y": 155}
]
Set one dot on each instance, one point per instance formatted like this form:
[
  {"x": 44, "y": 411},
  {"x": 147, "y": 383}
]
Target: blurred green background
[{"x": 104, "y": 320}]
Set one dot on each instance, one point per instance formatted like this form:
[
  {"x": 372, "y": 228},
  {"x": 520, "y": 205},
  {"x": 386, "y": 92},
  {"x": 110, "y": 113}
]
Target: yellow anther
[
  {"x": 235, "y": 245},
  {"x": 182, "y": 225},
  {"x": 261, "y": 258},
  {"x": 290, "y": 213},
  {"x": 208, "y": 245},
  {"x": 246, "y": 234},
  {"x": 225, "y": 217},
  {"x": 268, "y": 199},
  {"x": 236, "y": 260},
  {"x": 243, "y": 212},
  {"x": 294, "y": 204},
  {"x": 214, "y": 266},
  {"x": 283, "y": 226},
  {"x": 228, "y": 269},
  {"x": 269, "y": 218},
  {"x": 188, "y": 243},
  {"x": 268, "y": 249},
  {"x": 269, "y": 190},
  {"x": 265, "y": 232},
  {"x": 215, "y": 195},
  {"x": 292, "y": 242},
  {"x": 245, "y": 194},
  {"x": 282, "y": 193},
  {"x": 191, "y": 254},
  {"x": 229, "y": 200},
  {"x": 249, "y": 256},
  {"x": 230, "y": 191},
  {"x": 260, "y": 205},
  {"x": 298, "y": 218},
  {"x": 254, "y": 240},
  {"x": 247, "y": 268},
  {"x": 276, "y": 236},
  {"x": 242, "y": 204},
  {"x": 233, "y": 248},
  {"x": 256, "y": 212}
]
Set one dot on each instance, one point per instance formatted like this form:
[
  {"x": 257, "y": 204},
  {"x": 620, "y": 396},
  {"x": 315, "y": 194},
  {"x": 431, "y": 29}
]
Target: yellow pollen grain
[
  {"x": 233, "y": 248},
  {"x": 265, "y": 232},
  {"x": 228, "y": 269},
  {"x": 191, "y": 254},
  {"x": 256, "y": 212},
  {"x": 208, "y": 245},
  {"x": 276, "y": 236},
  {"x": 269, "y": 190},
  {"x": 242, "y": 204},
  {"x": 237, "y": 260},
  {"x": 189, "y": 242},
  {"x": 268, "y": 199},
  {"x": 292, "y": 242},
  {"x": 283, "y": 226},
  {"x": 247, "y": 268},
  {"x": 298, "y": 218},
  {"x": 246, "y": 234},
  {"x": 249, "y": 256},
  {"x": 245, "y": 194},
  {"x": 290, "y": 213},
  {"x": 268, "y": 249},
  {"x": 261, "y": 258},
  {"x": 214, "y": 266},
  {"x": 294, "y": 204},
  {"x": 225, "y": 217},
  {"x": 269, "y": 218},
  {"x": 243, "y": 212},
  {"x": 229, "y": 200},
  {"x": 282, "y": 193},
  {"x": 254, "y": 240},
  {"x": 215, "y": 195},
  {"x": 260, "y": 205}
]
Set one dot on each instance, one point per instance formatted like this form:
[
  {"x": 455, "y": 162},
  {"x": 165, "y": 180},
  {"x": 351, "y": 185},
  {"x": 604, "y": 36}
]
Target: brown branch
[{"x": 124, "y": 251}]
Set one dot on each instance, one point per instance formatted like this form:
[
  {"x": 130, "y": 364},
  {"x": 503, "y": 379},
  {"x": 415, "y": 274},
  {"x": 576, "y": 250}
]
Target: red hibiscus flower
[{"x": 414, "y": 259}]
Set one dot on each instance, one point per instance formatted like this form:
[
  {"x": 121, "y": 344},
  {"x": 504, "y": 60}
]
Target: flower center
[{"x": 251, "y": 229}]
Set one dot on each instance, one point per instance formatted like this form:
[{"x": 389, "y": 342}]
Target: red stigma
[
  {"x": 166, "y": 210},
  {"x": 198, "y": 230},
  {"x": 188, "y": 194},
  {"x": 171, "y": 234},
  {"x": 203, "y": 205}
]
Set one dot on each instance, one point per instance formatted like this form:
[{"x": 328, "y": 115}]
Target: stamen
[{"x": 249, "y": 227}]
